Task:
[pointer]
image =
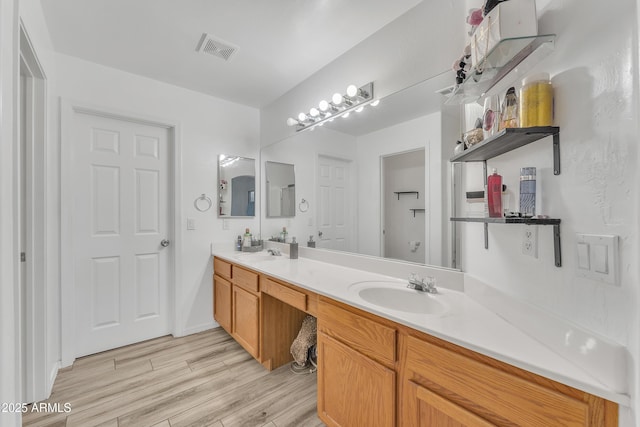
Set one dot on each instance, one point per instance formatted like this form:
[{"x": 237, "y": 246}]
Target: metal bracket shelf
[
  {"x": 398, "y": 193},
  {"x": 529, "y": 221},
  {"x": 510, "y": 139}
]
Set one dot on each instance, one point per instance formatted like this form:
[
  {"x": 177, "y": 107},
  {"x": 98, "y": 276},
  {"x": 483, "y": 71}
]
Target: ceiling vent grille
[{"x": 216, "y": 47}]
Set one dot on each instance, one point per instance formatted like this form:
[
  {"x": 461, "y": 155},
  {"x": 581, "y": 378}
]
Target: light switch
[
  {"x": 583, "y": 256},
  {"x": 191, "y": 224},
  {"x": 600, "y": 259},
  {"x": 597, "y": 258}
]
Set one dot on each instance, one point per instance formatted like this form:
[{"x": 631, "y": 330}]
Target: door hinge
[{"x": 23, "y": 257}]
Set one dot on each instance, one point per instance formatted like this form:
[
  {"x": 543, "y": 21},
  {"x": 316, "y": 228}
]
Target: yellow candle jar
[{"x": 536, "y": 101}]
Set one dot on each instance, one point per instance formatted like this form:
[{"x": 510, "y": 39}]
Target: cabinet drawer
[
  {"x": 246, "y": 279},
  {"x": 222, "y": 268},
  {"x": 490, "y": 392},
  {"x": 367, "y": 336},
  {"x": 285, "y": 294}
]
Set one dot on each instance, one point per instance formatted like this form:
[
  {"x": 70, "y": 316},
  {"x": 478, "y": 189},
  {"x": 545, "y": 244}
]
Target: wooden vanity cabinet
[
  {"x": 236, "y": 303},
  {"x": 374, "y": 372},
  {"x": 245, "y": 326},
  {"x": 356, "y": 368},
  {"x": 222, "y": 298},
  {"x": 442, "y": 384},
  {"x": 222, "y": 294}
]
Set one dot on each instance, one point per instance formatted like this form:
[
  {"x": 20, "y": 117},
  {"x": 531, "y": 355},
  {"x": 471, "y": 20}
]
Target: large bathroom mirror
[
  {"x": 236, "y": 186},
  {"x": 378, "y": 182},
  {"x": 280, "y": 179}
]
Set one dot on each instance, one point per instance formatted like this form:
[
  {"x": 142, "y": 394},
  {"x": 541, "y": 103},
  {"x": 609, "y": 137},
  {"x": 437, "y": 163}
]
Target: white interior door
[
  {"x": 121, "y": 218},
  {"x": 335, "y": 222}
]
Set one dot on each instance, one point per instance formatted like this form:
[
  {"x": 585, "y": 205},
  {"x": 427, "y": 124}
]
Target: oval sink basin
[
  {"x": 395, "y": 296},
  {"x": 255, "y": 256}
]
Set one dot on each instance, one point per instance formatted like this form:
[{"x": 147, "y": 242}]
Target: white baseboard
[
  {"x": 199, "y": 328},
  {"x": 52, "y": 377}
]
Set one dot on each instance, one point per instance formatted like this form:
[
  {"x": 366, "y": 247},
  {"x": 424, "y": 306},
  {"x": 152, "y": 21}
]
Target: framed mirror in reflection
[
  {"x": 280, "y": 190},
  {"x": 378, "y": 181},
  {"x": 236, "y": 186}
]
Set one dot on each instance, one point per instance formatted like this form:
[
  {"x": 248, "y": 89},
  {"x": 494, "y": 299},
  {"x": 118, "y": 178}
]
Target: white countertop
[{"x": 466, "y": 323}]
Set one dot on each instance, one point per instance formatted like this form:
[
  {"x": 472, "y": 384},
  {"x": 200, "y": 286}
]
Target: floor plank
[{"x": 205, "y": 379}]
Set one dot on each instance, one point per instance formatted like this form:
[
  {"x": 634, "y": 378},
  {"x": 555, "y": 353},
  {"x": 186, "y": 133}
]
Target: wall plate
[{"x": 597, "y": 257}]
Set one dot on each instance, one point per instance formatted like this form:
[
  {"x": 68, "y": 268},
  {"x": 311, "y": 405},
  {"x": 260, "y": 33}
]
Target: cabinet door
[
  {"x": 246, "y": 320},
  {"x": 434, "y": 410},
  {"x": 353, "y": 390},
  {"x": 222, "y": 302}
]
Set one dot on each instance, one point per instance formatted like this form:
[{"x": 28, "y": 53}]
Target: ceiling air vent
[{"x": 216, "y": 47}]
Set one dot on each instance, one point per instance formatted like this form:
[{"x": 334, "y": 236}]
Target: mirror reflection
[
  {"x": 378, "y": 182},
  {"x": 280, "y": 190},
  {"x": 236, "y": 186}
]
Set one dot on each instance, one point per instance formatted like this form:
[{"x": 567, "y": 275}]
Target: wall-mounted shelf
[
  {"x": 555, "y": 222},
  {"x": 521, "y": 52},
  {"x": 398, "y": 193},
  {"x": 510, "y": 139},
  {"x": 416, "y": 210}
]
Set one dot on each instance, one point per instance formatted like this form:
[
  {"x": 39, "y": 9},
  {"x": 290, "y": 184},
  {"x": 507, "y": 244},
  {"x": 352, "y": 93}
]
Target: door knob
[{"x": 164, "y": 243}]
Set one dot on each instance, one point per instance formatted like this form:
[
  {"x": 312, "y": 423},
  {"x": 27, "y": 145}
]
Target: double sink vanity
[{"x": 390, "y": 355}]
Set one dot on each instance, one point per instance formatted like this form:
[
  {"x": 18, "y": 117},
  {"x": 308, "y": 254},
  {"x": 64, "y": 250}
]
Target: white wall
[
  {"x": 302, "y": 151},
  {"x": 418, "y": 45},
  {"x": 423, "y": 132},
  {"x": 208, "y": 127},
  {"x": 595, "y": 76}
]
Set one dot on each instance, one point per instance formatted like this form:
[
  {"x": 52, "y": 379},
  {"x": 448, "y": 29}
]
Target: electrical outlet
[{"x": 530, "y": 241}]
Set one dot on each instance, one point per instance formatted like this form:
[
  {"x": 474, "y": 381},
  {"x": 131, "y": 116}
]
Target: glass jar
[
  {"x": 509, "y": 113},
  {"x": 536, "y": 101}
]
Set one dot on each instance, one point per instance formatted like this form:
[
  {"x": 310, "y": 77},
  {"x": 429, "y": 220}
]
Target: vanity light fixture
[{"x": 356, "y": 98}]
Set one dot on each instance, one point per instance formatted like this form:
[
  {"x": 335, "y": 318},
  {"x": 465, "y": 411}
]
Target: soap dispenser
[
  {"x": 293, "y": 249},
  {"x": 246, "y": 242},
  {"x": 311, "y": 243}
]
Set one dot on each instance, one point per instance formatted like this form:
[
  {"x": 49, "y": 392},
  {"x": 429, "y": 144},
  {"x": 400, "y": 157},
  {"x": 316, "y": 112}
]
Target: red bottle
[{"x": 494, "y": 194}]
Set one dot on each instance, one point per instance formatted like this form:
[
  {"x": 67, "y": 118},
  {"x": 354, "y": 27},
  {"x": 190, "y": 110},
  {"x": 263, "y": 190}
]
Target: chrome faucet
[
  {"x": 275, "y": 252},
  {"x": 419, "y": 284}
]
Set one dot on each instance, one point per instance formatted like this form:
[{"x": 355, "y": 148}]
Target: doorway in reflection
[{"x": 404, "y": 213}]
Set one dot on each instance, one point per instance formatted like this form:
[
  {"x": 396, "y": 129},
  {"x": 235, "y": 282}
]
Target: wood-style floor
[{"x": 205, "y": 379}]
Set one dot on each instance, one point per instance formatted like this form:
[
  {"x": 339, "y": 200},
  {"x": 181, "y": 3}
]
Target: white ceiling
[{"x": 280, "y": 42}]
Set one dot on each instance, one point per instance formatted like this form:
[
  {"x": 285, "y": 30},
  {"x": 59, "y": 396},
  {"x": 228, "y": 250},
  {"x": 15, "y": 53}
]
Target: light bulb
[
  {"x": 359, "y": 109},
  {"x": 222, "y": 157},
  {"x": 314, "y": 112},
  {"x": 375, "y": 103},
  {"x": 324, "y": 105},
  {"x": 336, "y": 99},
  {"x": 302, "y": 117},
  {"x": 345, "y": 115},
  {"x": 291, "y": 121},
  {"x": 352, "y": 91}
]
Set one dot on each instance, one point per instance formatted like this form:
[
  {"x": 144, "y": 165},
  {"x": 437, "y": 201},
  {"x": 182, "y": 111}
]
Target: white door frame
[
  {"x": 67, "y": 272},
  {"x": 9, "y": 260},
  {"x": 34, "y": 331}
]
